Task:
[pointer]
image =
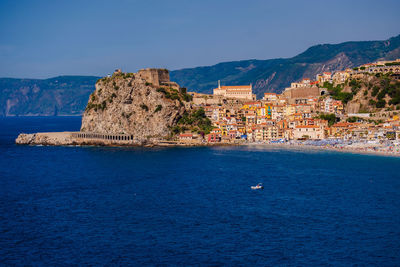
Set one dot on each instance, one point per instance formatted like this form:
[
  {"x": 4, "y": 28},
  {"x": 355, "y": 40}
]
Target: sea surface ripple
[{"x": 193, "y": 206}]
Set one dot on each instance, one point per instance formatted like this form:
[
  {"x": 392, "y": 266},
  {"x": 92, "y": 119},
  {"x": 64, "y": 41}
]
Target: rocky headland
[
  {"x": 140, "y": 108},
  {"x": 145, "y": 105}
]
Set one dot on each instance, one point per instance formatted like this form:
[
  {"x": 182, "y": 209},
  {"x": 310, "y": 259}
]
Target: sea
[{"x": 118, "y": 206}]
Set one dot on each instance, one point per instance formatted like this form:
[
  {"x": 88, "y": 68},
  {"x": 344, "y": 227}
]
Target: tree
[
  {"x": 145, "y": 107},
  {"x": 381, "y": 103},
  {"x": 331, "y": 118},
  {"x": 375, "y": 90},
  {"x": 158, "y": 108},
  {"x": 352, "y": 119}
]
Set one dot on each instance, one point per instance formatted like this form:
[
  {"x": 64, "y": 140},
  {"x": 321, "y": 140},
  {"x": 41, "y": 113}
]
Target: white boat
[{"x": 259, "y": 186}]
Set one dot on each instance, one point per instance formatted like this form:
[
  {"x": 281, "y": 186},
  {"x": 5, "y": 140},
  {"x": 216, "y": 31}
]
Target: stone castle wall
[
  {"x": 302, "y": 92},
  {"x": 155, "y": 76}
]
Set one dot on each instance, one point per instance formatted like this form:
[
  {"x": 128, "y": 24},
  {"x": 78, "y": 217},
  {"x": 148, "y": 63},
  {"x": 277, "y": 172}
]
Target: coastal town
[
  {"x": 306, "y": 113},
  {"x": 354, "y": 110},
  {"x": 200, "y": 133}
]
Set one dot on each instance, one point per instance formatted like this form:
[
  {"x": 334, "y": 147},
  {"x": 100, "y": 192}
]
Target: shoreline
[
  {"x": 330, "y": 148},
  {"x": 68, "y": 139}
]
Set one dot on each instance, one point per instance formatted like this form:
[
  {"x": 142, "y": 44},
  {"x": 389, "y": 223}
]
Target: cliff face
[
  {"x": 145, "y": 105},
  {"x": 373, "y": 94}
]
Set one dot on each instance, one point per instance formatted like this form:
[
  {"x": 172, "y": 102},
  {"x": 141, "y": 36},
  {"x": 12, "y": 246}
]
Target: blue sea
[{"x": 192, "y": 206}]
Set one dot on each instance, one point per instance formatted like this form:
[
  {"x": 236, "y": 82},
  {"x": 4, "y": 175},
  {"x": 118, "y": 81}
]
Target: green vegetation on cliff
[
  {"x": 174, "y": 94},
  {"x": 336, "y": 92},
  {"x": 195, "y": 121},
  {"x": 372, "y": 92}
]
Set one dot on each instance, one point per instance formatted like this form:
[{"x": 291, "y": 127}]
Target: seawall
[{"x": 76, "y": 138}]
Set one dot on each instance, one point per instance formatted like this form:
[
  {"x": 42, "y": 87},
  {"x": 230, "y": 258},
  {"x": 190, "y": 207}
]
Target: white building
[
  {"x": 235, "y": 91},
  {"x": 308, "y": 131}
]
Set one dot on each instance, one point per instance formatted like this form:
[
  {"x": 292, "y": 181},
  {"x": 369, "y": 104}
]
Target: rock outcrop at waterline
[
  {"x": 52, "y": 139},
  {"x": 145, "y": 105}
]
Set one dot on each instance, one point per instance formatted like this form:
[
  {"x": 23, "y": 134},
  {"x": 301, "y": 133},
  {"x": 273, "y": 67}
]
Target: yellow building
[{"x": 223, "y": 129}]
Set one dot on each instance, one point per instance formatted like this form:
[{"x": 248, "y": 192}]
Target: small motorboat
[{"x": 259, "y": 186}]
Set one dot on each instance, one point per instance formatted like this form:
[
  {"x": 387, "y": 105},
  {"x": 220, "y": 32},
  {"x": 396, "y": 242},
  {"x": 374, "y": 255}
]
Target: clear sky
[{"x": 40, "y": 39}]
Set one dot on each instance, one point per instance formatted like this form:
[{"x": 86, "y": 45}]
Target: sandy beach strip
[{"x": 366, "y": 150}]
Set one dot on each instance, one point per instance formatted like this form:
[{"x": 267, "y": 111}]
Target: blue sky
[{"x": 40, "y": 39}]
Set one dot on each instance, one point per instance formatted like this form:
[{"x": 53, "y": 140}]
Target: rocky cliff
[
  {"x": 368, "y": 93},
  {"x": 144, "y": 104},
  {"x": 373, "y": 94}
]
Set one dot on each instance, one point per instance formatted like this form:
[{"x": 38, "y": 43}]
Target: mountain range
[
  {"x": 68, "y": 95},
  {"x": 274, "y": 75},
  {"x": 63, "y": 95}
]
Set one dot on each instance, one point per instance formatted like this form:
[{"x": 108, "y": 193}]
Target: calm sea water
[{"x": 193, "y": 206}]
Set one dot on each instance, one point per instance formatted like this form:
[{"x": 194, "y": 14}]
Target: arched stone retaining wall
[{"x": 103, "y": 137}]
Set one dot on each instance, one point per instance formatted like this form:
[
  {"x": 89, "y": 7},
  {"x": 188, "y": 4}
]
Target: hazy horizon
[{"x": 44, "y": 39}]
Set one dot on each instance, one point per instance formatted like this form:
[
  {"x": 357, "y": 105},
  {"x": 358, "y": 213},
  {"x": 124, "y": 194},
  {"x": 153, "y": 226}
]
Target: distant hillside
[
  {"x": 68, "y": 95},
  {"x": 275, "y": 74},
  {"x": 63, "y": 95}
]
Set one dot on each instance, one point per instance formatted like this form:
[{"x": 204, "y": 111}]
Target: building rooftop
[
  {"x": 224, "y": 87},
  {"x": 307, "y": 126}
]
